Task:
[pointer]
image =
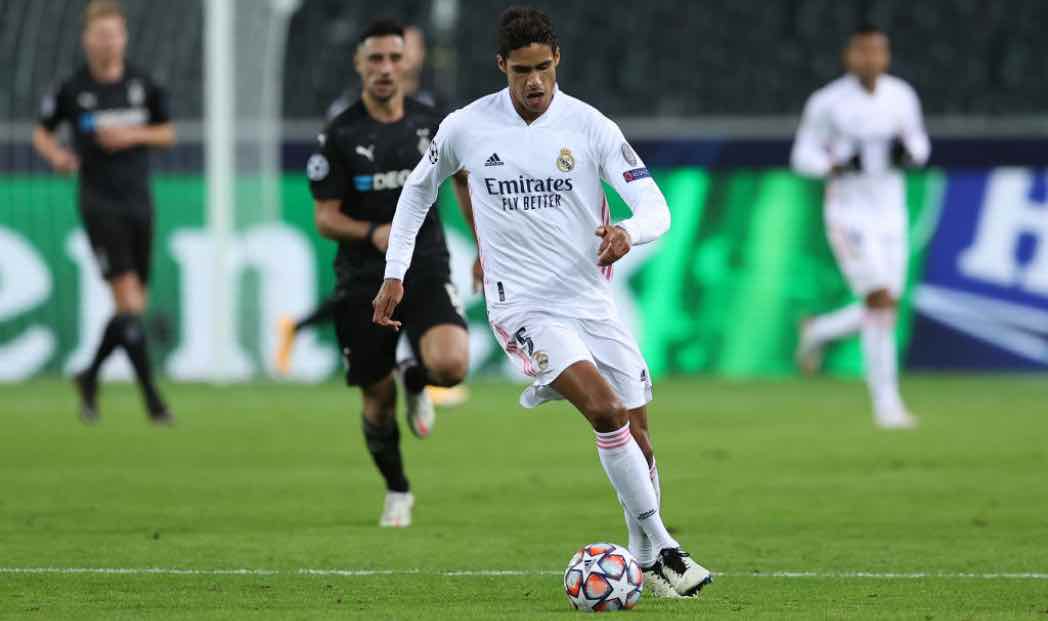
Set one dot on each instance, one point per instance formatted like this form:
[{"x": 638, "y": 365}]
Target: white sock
[
  {"x": 878, "y": 348},
  {"x": 833, "y": 325},
  {"x": 639, "y": 543},
  {"x": 627, "y": 470},
  {"x": 653, "y": 474}
]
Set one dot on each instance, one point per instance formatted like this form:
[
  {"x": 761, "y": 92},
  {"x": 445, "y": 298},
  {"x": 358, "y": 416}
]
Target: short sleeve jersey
[
  {"x": 118, "y": 180},
  {"x": 364, "y": 163}
]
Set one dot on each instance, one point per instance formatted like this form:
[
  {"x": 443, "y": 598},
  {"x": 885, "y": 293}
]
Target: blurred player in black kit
[
  {"x": 116, "y": 113},
  {"x": 413, "y": 85},
  {"x": 363, "y": 158}
]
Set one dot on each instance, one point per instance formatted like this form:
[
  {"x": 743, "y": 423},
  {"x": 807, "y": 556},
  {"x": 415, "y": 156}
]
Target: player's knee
[
  {"x": 448, "y": 369},
  {"x": 606, "y": 414},
  {"x": 130, "y": 305},
  {"x": 880, "y": 299},
  {"x": 129, "y": 295}
]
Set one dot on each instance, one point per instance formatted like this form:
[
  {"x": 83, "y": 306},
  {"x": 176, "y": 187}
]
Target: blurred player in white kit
[{"x": 858, "y": 132}]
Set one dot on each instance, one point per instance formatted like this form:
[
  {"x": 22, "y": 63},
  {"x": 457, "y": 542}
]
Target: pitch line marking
[{"x": 173, "y": 571}]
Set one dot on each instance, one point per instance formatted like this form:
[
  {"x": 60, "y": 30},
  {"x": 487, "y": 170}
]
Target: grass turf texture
[{"x": 757, "y": 477}]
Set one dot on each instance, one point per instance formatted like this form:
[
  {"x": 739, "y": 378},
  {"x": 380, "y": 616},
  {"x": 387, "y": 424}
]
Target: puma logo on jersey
[{"x": 368, "y": 152}]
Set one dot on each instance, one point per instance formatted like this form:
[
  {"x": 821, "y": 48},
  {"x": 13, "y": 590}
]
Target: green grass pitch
[{"x": 782, "y": 487}]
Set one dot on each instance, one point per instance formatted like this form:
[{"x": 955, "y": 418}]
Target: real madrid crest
[
  {"x": 541, "y": 357},
  {"x": 565, "y": 161}
]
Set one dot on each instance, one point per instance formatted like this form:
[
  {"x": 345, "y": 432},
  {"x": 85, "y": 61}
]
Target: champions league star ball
[{"x": 602, "y": 577}]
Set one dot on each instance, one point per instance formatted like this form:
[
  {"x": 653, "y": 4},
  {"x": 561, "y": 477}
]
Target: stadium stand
[{"x": 671, "y": 57}]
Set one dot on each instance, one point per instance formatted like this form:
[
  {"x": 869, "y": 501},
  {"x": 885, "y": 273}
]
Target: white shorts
[
  {"x": 870, "y": 257},
  {"x": 544, "y": 345}
]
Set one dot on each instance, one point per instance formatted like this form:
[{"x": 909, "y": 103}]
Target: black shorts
[
  {"x": 122, "y": 241},
  {"x": 370, "y": 351}
]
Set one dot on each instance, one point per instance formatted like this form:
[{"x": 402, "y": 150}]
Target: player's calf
[
  {"x": 421, "y": 414},
  {"x": 639, "y": 428},
  {"x": 86, "y": 384},
  {"x": 382, "y": 436},
  {"x": 380, "y": 401}
]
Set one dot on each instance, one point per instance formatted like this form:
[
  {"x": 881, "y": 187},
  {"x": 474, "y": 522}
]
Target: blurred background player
[
  {"x": 416, "y": 86},
  {"x": 418, "y": 80},
  {"x": 364, "y": 157},
  {"x": 116, "y": 112},
  {"x": 536, "y": 158},
  {"x": 858, "y": 132}
]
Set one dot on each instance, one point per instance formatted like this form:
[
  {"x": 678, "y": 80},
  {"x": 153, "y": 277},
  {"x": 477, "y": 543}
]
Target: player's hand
[
  {"x": 380, "y": 238},
  {"x": 117, "y": 138},
  {"x": 851, "y": 165},
  {"x": 391, "y": 293},
  {"x": 900, "y": 155},
  {"x": 64, "y": 161},
  {"x": 478, "y": 276},
  {"x": 614, "y": 245}
]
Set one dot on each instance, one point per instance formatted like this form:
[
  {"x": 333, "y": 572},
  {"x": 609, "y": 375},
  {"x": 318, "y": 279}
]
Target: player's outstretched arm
[
  {"x": 622, "y": 168},
  {"x": 810, "y": 155},
  {"x": 651, "y": 214},
  {"x": 465, "y": 203},
  {"x": 417, "y": 196},
  {"x": 54, "y": 110},
  {"x": 650, "y": 220},
  {"x": 337, "y": 226},
  {"x": 913, "y": 136},
  {"x": 61, "y": 159}
]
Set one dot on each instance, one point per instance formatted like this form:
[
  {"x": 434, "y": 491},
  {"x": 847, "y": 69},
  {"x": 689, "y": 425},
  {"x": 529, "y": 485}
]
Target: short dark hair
[
  {"x": 865, "y": 29},
  {"x": 382, "y": 27},
  {"x": 520, "y": 26}
]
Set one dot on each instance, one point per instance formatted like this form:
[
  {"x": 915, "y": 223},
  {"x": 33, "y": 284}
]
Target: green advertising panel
[{"x": 745, "y": 260}]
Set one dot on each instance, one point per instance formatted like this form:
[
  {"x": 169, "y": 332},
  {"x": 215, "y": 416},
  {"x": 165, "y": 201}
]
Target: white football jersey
[
  {"x": 537, "y": 200},
  {"x": 842, "y": 120}
]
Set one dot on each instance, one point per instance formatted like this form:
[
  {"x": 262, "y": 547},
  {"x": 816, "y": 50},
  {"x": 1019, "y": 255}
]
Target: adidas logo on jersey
[{"x": 493, "y": 160}]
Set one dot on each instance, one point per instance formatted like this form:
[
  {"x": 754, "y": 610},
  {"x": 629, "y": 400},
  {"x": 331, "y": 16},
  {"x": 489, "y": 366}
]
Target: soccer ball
[{"x": 602, "y": 577}]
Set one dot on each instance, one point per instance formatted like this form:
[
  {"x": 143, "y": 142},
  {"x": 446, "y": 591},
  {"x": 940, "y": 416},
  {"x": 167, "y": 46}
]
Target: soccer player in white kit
[
  {"x": 857, "y": 132},
  {"x": 535, "y": 158}
]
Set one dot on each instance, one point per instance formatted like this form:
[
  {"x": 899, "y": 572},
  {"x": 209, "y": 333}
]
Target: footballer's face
[
  {"x": 868, "y": 56},
  {"x": 380, "y": 63},
  {"x": 105, "y": 40},
  {"x": 531, "y": 73}
]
